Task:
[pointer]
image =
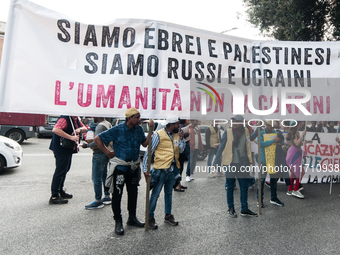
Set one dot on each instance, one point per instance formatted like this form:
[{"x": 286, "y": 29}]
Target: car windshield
[
  {"x": 145, "y": 126},
  {"x": 203, "y": 128},
  {"x": 121, "y": 121},
  {"x": 52, "y": 119}
]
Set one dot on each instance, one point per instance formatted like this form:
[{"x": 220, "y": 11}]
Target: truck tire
[
  {"x": 16, "y": 135},
  {"x": 2, "y": 163}
]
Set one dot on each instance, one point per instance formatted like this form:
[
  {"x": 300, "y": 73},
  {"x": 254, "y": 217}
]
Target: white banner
[
  {"x": 53, "y": 64},
  {"x": 323, "y": 158}
]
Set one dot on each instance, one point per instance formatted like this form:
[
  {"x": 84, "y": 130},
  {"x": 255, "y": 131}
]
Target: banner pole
[
  {"x": 303, "y": 150},
  {"x": 148, "y": 180},
  {"x": 331, "y": 185},
  {"x": 259, "y": 166}
]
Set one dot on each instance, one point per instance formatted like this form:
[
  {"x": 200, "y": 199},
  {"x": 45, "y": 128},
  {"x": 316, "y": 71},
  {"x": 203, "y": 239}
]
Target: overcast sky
[{"x": 212, "y": 15}]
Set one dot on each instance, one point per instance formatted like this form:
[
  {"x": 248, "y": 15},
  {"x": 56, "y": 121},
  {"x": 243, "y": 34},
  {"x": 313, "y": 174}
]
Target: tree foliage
[{"x": 296, "y": 20}]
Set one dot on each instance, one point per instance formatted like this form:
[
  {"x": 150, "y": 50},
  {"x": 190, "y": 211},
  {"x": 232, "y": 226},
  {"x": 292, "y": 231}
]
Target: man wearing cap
[
  {"x": 167, "y": 144},
  {"x": 124, "y": 164},
  {"x": 234, "y": 154},
  {"x": 269, "y": 128}
]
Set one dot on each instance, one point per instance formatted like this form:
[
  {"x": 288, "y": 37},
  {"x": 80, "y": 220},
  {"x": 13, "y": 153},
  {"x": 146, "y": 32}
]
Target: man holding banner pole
[
  {"x": 124, "y": 165},
  {"x": 166, "y": 144}
]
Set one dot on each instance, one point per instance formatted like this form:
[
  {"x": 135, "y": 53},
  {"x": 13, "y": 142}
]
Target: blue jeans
[
  {"x": 99, "y": 173},
  {"x": 273, "y": 188},
  {"x": 243, "y": 183},
  {"x": 211, "y": 155},
  {"x": 161, "y": 177},
  {"x": 63, "y": 164},
  {"x": 192, "y": 164}
]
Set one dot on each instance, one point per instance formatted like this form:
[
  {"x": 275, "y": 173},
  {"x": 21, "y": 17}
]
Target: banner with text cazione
[
  {"x": 322, "y": 163},
  {"x": 53, "y": 64}
]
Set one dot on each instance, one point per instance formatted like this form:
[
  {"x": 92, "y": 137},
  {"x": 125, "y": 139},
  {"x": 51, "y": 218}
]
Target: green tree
[{"x": 295, "y": 20}]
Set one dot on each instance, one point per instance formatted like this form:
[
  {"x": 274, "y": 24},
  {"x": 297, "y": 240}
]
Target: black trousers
[
  {"x": 131, "y": 179},
  {"x": 63, "y": 164}
]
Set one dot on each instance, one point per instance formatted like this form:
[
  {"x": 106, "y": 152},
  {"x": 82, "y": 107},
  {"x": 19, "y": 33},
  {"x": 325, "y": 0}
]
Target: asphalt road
[{"x": 29, "y": 225}]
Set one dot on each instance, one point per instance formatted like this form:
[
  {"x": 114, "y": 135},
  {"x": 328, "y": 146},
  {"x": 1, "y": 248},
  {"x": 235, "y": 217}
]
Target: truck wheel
[
  {"x": 16, "y": 135},
  {"x": 2, "y": 163}
]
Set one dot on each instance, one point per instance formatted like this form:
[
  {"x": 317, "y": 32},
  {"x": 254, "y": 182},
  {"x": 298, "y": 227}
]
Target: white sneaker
[
  {"x": 192, "y": 177},
  {"x": 187, "y": 179},
  {"x": 297, "y": 194},
  {"x": 211, "y": 175}
]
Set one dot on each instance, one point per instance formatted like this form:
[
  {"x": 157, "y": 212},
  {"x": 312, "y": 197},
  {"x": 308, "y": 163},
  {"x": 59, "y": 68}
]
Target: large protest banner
[{"x": 56, "y": 65}]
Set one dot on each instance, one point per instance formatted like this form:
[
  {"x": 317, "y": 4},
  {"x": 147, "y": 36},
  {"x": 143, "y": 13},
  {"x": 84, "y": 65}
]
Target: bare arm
[{"x": 103, "y": 148}]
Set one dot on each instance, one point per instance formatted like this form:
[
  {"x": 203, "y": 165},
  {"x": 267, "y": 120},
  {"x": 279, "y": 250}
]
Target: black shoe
[
  {"x": 65, "y": 195},
  {"x": 232, "y": 212},
  {"x": 276, "y": 202},
  {"x": 262, "y": 204},
  {"x": 58, "y": 200},
  {"x": 248, "y": 213},
  {"x": 300, "y": 187},
  {"x": 119, "y": 230},
  {"x": 133, "y": 221},
  {"x": 152, "y": 223},
  {"x": 169, "y": 218}
]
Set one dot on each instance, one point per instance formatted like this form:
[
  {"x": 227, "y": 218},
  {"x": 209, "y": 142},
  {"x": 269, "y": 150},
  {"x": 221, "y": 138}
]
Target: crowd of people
[{"x": 116, "y": 161}]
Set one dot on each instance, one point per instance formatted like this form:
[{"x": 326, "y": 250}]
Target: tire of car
[
  {"x": 2, "y": 163},
  {"x": 202, "y": 154},
  {"x": 16, "y": 135}
]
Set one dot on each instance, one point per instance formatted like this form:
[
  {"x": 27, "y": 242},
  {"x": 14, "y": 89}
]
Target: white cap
[{"x": 170, "y": 119}]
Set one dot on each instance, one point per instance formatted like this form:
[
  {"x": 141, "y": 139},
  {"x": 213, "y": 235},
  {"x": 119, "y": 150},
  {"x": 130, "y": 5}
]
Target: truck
[{"x": 20, "y": 126}]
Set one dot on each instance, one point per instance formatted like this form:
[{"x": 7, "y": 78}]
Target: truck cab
[{"x": 20, "y": 126}]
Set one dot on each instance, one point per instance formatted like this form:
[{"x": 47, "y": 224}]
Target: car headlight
[{"x": 13, "y": 146}]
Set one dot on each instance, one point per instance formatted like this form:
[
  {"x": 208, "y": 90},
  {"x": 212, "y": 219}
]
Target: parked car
[
  {"x": 118, "y": 121},
  {"x": 10, "y": 153},
  {"x": 46, "y": 130}
]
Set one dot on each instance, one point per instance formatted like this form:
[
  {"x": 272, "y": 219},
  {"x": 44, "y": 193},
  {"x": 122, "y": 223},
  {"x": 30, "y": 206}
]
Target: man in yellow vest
[
  {"x": 167, "y": 144},
  {"x": 234, "y": 154},
  {"x": 213, "y": 139}
]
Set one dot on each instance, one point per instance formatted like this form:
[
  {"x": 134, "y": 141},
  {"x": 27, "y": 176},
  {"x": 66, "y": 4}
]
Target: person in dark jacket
[
  {"x": 313, "y": 127},
  {"x": 68, "y": 127}
]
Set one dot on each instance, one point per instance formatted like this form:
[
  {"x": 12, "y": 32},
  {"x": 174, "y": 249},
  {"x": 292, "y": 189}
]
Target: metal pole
[
  {"x": 148, "y": 181},
  {"x": 259, "y": 166},
  {"x": 302, "y": 152},
  {"x": 331, "y": 185}
]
